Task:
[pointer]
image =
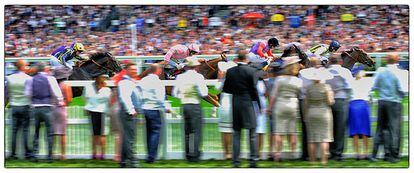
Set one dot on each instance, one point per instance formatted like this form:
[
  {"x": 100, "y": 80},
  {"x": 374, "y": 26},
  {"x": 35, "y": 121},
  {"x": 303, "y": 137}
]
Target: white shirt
[
  {"x": 16, "y": 84},
  {"x": 191, "y": 85},
  {"x": 96, "y": 101},
  {"x": 153, "y": 92},
  {"x": 54, "y": 87},
  {"x": 343, "y": 72},
  {"x": 361, "y": 88},
  {"x": 401, "y": 74},
  {"x": 127, "y": 90},
  {"x": 340, "y": 84}
]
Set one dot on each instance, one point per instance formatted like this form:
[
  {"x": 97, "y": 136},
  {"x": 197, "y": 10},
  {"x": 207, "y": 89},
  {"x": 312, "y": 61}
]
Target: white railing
[
  {"x": 83, "y": 83},
  {"x": 172, "y": 139},
  {"x": 161, "y": 57}
]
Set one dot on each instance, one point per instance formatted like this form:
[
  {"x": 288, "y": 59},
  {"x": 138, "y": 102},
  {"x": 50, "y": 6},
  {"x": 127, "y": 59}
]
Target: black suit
[{"x": 241, "y": 83}]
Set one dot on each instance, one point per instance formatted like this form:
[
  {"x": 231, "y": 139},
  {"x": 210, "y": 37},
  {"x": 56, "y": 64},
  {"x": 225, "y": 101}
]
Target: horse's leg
[
  {"x": 168, "y": 90},
  {"x": 214, "y": 97}
]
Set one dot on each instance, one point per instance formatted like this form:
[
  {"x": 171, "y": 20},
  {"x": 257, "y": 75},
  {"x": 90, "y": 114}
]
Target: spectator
[
  {"x": 317, "y": 112},
  {"x": 225, "y": 110},
  {"x": 60, "y": 117},
  {"x": 129, "y": 100},
  {"x": 115, "y": 124},
  {"x": 241, "y": 82},
  {"x": 391, "y": 91},
  {"x": 285, "y": 105},
  {"x": 153, "y": 98},
  {"x": 359, "y": 124},
  {"x": 340, "y": 84},
  {"x": 372, "y": 34},
  {"x": 19, "y": 105},
  {"x": 97, "y": 100},
  {"x": 114, "y": 108},
  {"x": 260, "y": 115},
  {"x": 42, "y": 89},
  {"x": 191, "y": 87},
  {"x": 314, "y": 63},
  {"x": 274, "y": 72}
]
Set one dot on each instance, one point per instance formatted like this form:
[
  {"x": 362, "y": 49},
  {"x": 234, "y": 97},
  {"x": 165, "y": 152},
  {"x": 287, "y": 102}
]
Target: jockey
[
  {"x": 323, "y": 51},
  {"x": 176, "y": 55},
  {"x": 261, "y": 51},
  {"x": 63, "y": 54}
]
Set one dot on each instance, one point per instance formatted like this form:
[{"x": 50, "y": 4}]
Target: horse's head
[
  {"x": 363, "y": 57},
  {"x": 355, "y": 54},
  {"x": 106, "y": 61}
]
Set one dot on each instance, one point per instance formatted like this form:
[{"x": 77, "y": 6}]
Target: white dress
[
  {"x": 261, "y": 116},
  {"x": 225, "y": 110}
]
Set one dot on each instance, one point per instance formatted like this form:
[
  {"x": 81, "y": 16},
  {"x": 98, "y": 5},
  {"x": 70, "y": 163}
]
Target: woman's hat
[
  {"x": 290, "y": 60},
  {"x": 317, "y": 74}
]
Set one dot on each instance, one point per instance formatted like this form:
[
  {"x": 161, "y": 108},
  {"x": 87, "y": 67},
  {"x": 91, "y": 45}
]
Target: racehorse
[
  {"x": 355, "y": 54},
  {"x": 98, "y": 64},
  {"x": 349, "y": 57},
  {"x": 208, "y": 68}
]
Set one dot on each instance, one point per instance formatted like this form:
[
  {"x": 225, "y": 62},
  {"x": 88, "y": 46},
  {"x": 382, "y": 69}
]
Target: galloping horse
[
  {"x": 98, "y": 64},
  {"x": 208, "y": 68},
  {"x": 349, "y": 57}
]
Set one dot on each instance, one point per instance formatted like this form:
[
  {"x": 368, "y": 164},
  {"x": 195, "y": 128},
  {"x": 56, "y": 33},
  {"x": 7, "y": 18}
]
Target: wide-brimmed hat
[
  {"x": 192, "y": 61},
  {"x": 317, "y": 74},
  {"x": 290, "y": 60}
]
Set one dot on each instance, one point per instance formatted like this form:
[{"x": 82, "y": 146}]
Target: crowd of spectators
[{"x": 38, "y": 30}]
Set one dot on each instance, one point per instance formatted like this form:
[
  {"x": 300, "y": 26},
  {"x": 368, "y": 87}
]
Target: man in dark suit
[{"x": 241, "y": 83}]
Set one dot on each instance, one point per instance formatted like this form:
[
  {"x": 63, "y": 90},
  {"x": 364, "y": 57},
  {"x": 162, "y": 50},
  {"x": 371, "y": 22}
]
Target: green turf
[
  {"x": 78, "y": 142},
  {"x": 84, "y": 163},
  {"x": 175, "y": 102}
]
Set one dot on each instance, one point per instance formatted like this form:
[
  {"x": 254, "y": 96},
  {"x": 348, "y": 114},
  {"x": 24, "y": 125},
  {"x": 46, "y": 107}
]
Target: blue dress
[{"x": 359, "y": 118}]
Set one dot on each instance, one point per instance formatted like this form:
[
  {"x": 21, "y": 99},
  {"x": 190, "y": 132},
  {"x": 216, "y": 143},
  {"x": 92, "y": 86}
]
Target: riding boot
[{"x": 169, "y": 73}]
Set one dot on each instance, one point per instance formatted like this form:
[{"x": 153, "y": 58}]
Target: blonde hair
[
  {"x": 100, "y": 81},
  {"x": 290, "y": 69}
]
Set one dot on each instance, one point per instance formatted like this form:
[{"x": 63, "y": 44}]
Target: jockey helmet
[
  {"x": 194, "y": 47},
  {"x": 273, "y": 42},
  {"x": 334, "y": 46},
  {"x": 78, "y": 47}
]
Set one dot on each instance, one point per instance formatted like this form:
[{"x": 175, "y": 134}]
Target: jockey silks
[{"x": 256, "y": 48}]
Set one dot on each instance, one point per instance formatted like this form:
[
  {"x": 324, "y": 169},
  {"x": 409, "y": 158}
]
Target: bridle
[
  {"x": 222, "y": 56},
  {"x": 208, "y": 64},
  {"x": 346, "y": 53}
]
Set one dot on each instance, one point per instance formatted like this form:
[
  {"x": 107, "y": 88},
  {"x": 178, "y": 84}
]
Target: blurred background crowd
[{"x": 38, "y": 30}]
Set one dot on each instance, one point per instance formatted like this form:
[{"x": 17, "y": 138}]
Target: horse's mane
[{"x": 97, "y": 55}]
